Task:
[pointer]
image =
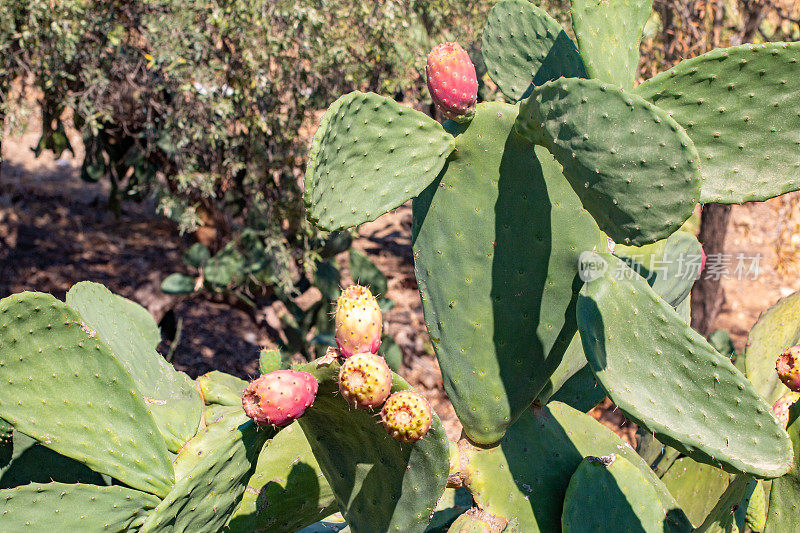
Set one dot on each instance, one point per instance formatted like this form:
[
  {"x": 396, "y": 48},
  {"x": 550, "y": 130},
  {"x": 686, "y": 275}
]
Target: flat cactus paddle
[
  {"x": 634, "y": 168},
  {"x": 369, "y": 155},
  {"x": 676, "y": 385}
]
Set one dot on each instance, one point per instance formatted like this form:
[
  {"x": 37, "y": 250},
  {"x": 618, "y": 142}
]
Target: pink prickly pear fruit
[
  {"x": 406, "y": 416},
  {"x": 358, "y": 321},
  {"x": 280, "y": 397},
  {"x": 452, "y": 81},
  {"x": 365, "y": 380},
  {"x": 782, "y": 406},
  {"x": 788, "y": 367}
]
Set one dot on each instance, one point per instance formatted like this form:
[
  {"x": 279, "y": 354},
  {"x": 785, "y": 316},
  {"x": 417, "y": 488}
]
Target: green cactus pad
[
  {"x": 211, "y": 472},
  {"x": 609, "y": 494},
  {"x": 387, "y": 485},
  {"x": 696, "y": 486},
  {"x": 221, "y": 388},
  {"x": 721, "y": 518},
  {"x": 633, "y": 166},
  {"x": 272, "y": 360},
  {"x": 785, "y": 492},
  {"x": 64, "y": 507},
  {"x": 670, "y": 266},
  {"x": 776, "y": 330},
  {"x": 287, "y": 491},
  {"x": 369, "y": 155},
  {"x": 739, "y": 105},
  {"x": 571, "y": 363},
  {"x": 581, "y": 391},
  {"x": 752, "y": 511},
  {"x": 609, "y": 33},
  {"x": 216, "y": 412},
  {"x": 525, "y": 477},
  {"x": 452, "y": 504},
  {"x": 32, "y": 462},
  {"x": 64, "y": 387},
  {"x": 496, "y": 243},
  {"x": 523, "y": 47},
  {"x": 132, "y": 334},
  {"x": 676, "y": 385}
]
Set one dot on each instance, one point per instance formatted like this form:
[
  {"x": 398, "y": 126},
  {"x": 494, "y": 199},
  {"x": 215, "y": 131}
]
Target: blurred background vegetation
[{"x": 207, "y": 107}]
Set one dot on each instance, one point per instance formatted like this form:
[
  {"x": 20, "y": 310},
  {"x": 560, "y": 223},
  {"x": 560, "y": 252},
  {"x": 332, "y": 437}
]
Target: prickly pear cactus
[
  {"x": 516, "y": 216},
  {"x": 534, "y": 312}
]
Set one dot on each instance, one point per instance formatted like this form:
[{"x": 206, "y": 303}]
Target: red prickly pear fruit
[
  {"x": 452, "y": 81},
  {"x": 406, "y": 416},
  {"x": 280, "y": 397},
  {"x": 358, "y": 321},
  {"x": 365, "y": 380},
  {"x": 782, "y": 406},
  {"x": 788, "y": 367}
]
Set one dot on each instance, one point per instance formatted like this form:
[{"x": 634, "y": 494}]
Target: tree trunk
[{"x": 707, "y": 293}]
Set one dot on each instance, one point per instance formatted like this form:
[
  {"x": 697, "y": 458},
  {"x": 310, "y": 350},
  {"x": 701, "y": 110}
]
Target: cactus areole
[
  {"x": 358, "y": 321},
  {"x": 452, "y": 81},
  {"x": 365, "y": 380},
  {"x": 280, "y": 397}
]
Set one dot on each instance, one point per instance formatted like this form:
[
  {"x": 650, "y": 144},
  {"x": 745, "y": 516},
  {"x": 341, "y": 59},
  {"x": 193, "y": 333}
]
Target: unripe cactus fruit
[
  {"x": 358, "y": 321},
  {"x": 280, "y": 397},
  {"x": 406, "y": 416},
  {"x": 365, "y": 380},
  {"x": 452, "y": 81},
  {"x": 788, "y": 367},
  {"x": 781, "y": 407}
]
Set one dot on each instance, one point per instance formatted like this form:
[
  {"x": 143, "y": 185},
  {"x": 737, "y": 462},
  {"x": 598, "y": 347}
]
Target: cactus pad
[
  {"x": 211, "y": 472},
  {"x": 670, "y": 266},
  {"x": 386, "y": 486},
  {"x": 32, "y": 462},
  {"x": 740, "y": 107},
  {"x": 132, "y": 334},
  {"x": 785, "y": 492},
  {"x": 609, "y": 494},
  {"x": 581, "y": 391},
  {"x": 523, "y": 47},
  {"x": 496, "y": 243},
  {"x": 634, "y": 168},
  {"x": 369, "y": 155},
  {"x": 696, "y": 486},
  {"x": 609, "y": 33},
  {"x": 65, "y": 387},
  {"x": 525, "y": 477},
  {"x": 220, "y": 388},
  {"x": 287, "y": 491},
  {"x": 776, "y": 330},
  {"x": 676, "y": 385},
  {"x": 64, "y": 507}
]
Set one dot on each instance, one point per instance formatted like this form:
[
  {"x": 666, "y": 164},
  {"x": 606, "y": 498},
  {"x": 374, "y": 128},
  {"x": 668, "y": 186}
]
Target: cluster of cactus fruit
[
  {"x": 280, "y": 397},
  {"x": 548, "y": 238}
]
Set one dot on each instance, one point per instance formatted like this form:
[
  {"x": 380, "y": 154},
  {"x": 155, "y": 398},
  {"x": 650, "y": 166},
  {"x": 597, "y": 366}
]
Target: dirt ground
[{"x": 55, "y": 231}]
